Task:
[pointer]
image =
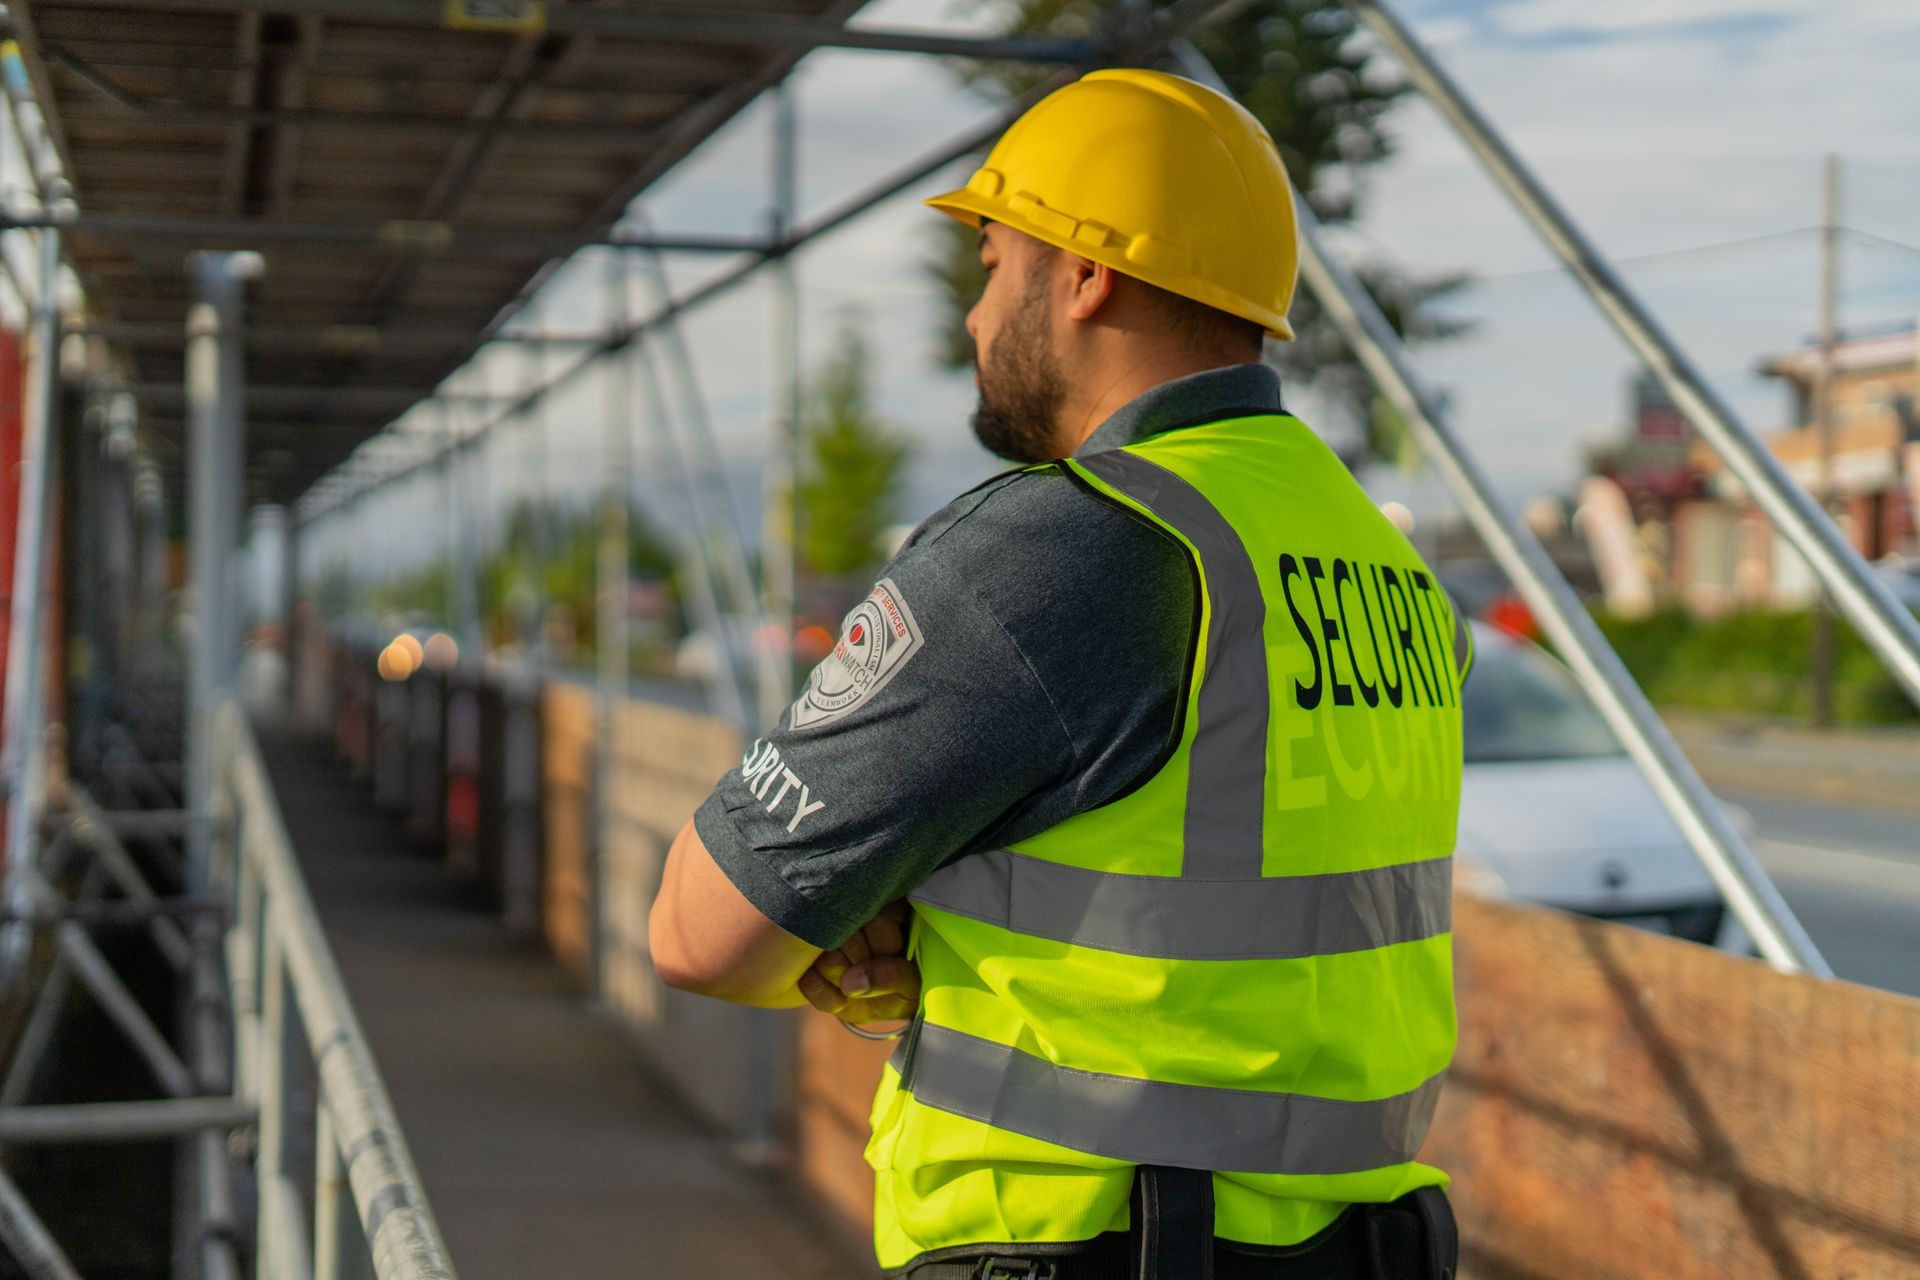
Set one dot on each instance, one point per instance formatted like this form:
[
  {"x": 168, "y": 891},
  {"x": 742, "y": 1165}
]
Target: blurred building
[{"x": 1706, "y": 545}]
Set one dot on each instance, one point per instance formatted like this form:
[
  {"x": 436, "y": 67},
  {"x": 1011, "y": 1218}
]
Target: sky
[{"x": 1686, "y": 137}]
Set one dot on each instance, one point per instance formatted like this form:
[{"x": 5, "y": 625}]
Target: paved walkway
[{"x": 545, "y": 1150}]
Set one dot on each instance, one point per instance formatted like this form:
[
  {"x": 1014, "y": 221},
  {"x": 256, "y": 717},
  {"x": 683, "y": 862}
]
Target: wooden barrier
[
  {"x": 566, "y": 809},
  {"x": 664, "y": 763},
  {"x": 1625, "y": 1105},
  {"x": 834, "y": 1076}
]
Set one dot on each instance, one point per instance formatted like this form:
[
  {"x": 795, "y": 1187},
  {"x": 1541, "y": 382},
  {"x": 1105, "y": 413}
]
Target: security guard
[{"x": 1160, "y": 736}]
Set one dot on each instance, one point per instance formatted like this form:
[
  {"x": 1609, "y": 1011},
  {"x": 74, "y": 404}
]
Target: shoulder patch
[{"x": 876, "y": 640}]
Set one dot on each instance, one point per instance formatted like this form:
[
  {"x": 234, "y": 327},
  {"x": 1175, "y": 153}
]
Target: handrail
[{"x": 369, "y": 1205}]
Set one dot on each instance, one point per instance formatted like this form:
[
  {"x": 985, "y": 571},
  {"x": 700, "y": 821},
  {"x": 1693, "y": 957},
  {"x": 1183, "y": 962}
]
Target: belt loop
[{"x": 1171, "y": 1237}]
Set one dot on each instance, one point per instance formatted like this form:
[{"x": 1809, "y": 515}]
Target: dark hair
[{"x": 1204, "y": 328}]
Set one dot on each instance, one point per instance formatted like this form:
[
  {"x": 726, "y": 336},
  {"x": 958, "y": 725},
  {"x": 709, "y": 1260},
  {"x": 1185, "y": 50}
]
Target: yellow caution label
[{"x": 494, "y": 15}]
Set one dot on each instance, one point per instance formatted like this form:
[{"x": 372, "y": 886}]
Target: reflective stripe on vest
[
  {"x": 1226, "y": 779},
  {"x": 1181, "y": 918},
  {"x": 1152, "y": 1122}
]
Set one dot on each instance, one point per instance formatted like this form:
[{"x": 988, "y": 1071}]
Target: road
[{"x": 1852, "y": 874}]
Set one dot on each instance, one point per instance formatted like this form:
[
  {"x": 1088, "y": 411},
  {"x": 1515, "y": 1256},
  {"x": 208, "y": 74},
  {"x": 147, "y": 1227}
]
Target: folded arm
[{"x": 706, "y": 937}]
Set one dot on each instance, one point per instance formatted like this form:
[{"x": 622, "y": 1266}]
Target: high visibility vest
[{"x": 1242, "y": 964}]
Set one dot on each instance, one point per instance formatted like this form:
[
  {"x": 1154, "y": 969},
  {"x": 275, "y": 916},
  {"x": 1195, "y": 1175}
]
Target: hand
[{"x": 869, "y": 978}]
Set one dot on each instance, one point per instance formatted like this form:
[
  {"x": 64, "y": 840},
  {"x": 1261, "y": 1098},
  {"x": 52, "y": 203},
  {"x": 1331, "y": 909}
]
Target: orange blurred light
[
  {"x": 769, "y": 637},
  {"x": 812, "y": 643},
  {"x": 1510, "y": 614},
  {"x": 400, "y": 659}
]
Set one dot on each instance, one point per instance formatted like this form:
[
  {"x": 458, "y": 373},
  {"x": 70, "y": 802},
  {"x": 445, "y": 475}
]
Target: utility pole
[
  {"x": 1823, "y": 620},
  {"x": 216, "y": 434}
]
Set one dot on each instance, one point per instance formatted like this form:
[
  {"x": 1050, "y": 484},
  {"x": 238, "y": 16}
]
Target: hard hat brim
[{"x": 972, "y": 208}]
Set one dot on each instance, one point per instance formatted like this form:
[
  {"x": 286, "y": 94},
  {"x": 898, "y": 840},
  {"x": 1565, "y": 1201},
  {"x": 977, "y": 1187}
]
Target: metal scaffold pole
[
  {"x": 727, "y": 528},
  {"x": 779, "y": 519},
  {"x": 610, "y": 598},
  {"x": 216, "y": 444},
  {"x": 27, "y": 1239},
  {"x": 464, "y": 519},
  {"x": 461, "y": 608},
  {"x": 532, "y": 608},
  {"x": 1701, "y": 818},
  {"x": 1883, "y": 622},
  {"x": 488, "y": 529},
  {"x": 705, "y": 578},
  {"x": 616, "y": 499},
  {"x": 25, "y": 642},
  {"x": 286, "y": 608}
]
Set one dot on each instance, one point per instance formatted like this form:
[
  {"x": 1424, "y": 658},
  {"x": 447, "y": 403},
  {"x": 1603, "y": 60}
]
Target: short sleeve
[{"x": 991, "y": 682}]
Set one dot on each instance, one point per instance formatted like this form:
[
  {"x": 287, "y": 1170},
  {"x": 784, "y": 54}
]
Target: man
[{"x": 1161, "y": 738}]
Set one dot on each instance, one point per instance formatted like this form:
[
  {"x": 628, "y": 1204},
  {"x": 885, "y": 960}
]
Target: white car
[
  {"x": 1553, "y": 811},
  {"x": 1902, "y": 576}
]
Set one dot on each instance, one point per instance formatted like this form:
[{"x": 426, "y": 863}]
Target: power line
[
  {"x": 1887, "y": 242},
  {"x": 1657, "y": 255}
]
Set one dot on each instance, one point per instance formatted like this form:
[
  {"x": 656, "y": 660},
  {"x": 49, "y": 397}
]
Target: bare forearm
[{"x": 705, "y": 937}]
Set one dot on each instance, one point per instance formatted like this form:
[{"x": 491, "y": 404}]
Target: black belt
[{"x": 1413, "y": 1238}]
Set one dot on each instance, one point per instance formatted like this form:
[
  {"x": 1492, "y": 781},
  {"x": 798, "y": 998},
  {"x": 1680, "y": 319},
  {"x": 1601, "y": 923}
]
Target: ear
[{"x": 1090, "y": 287}]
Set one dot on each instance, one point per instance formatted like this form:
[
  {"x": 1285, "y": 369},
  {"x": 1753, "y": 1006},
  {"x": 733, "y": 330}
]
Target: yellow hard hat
[{"x": 1156, "y": 177}]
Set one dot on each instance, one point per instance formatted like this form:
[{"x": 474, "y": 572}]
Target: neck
[{"x": 1113, "y": 382}]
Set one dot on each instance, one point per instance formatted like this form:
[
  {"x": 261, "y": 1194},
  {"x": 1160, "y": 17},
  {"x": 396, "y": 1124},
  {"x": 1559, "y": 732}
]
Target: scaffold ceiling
[{"x": 407, "y": 169}]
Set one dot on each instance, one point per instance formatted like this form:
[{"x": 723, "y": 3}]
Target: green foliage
[
  {"x": 1754, "y": 662},
  {"x": 850, "y": 468},
  {"x": 422, "y": 591},
  {"x": 547, "y": 561},
  {"x": 1322, "y": 92}
]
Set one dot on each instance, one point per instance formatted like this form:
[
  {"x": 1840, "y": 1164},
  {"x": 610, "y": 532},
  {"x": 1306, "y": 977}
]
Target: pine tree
[{"x": 850, "y": 470}]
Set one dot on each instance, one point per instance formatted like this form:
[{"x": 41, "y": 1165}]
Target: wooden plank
[
  {"x": 1733, "y": 1121},
  {"x": 679, "y": 743},
  {"x": 834, "y": 1077},
  {"x": 664, "y": 762},
  {"x": 566, "y": 723}
]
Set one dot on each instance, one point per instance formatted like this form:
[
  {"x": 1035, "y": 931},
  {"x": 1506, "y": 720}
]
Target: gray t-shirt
[{"x": 1019, "y": 661}]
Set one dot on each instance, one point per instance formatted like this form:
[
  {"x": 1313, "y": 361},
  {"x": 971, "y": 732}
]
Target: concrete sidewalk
[
  {"x": 1878, "y": 768},
  {"x": 546, "y": 1151}
]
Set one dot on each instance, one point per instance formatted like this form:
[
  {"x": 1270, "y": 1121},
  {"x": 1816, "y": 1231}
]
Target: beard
[{"x": 1021, "y": 387}]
